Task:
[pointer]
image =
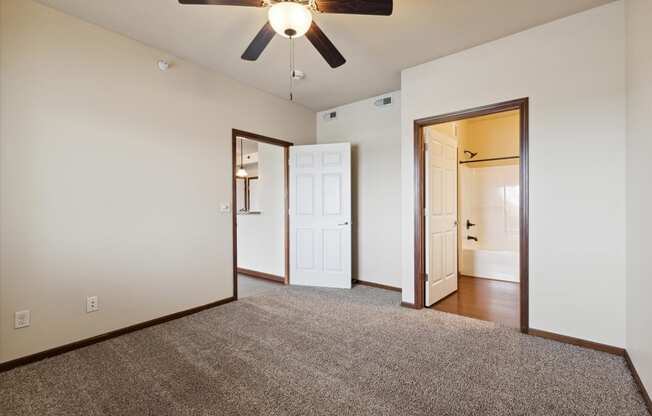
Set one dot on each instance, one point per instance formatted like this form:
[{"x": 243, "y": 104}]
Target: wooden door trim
[
  {"x": 522, "y": 105},
  {"x": 260, "y": 275},
  {"x": 235, "y": 133}
]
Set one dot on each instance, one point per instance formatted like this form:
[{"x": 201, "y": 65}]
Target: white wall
[
  {"x": 111, "y": 176},
  {"x": 573, "y": 70},
  {"x": 376, "y": 176},
  {"x": 639, "y": 176},
  {"x": 261, "y": 238},
  {"x": 489, "y": 197}
]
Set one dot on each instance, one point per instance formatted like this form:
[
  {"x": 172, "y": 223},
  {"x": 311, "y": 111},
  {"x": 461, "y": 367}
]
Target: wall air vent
[
  {"x": 330, "y": 116},
  {"x": 383, "y": 102}
]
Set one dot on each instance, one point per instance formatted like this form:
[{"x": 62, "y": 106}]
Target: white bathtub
[{"x": 490, "y": 264}]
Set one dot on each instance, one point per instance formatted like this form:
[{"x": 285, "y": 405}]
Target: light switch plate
[{"x": 22, "y": 319}]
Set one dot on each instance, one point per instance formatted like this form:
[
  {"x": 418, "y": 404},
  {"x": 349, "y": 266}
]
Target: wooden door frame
[
  {"x": 522, "y": 105},
  {"x": 235, "y": 133}
]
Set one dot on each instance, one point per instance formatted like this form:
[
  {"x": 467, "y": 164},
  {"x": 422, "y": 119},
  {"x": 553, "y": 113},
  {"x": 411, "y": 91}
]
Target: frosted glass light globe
[{"x": 290, "y": 19}]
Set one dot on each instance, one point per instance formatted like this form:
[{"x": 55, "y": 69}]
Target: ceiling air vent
[
  {"x": 330, "y": 116},
  {"x": 383, "y": 102}
]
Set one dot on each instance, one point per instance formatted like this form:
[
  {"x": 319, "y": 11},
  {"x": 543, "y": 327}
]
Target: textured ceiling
[{"x": 376, "y": 48}]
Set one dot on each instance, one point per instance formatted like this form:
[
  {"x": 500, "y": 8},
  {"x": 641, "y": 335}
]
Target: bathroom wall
[
  {"x": 492, "y": 136},
  {"x": 488, "y": 194},
  {"x": 489, "y": 198},
  {"x": 489, "y": 191}
]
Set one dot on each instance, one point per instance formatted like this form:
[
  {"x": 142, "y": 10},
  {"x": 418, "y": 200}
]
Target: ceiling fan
[{"x": 293, "y": 18}]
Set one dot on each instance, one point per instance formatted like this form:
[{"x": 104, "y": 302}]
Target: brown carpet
[{"x": 323, "y": 352}]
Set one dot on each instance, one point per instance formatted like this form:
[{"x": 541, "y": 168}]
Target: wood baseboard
[
  {"x": 8, "y": 365},
  {"x": 261, "y": 275},
  {"x": 409, "y": 305},
  {"x": 639, "y": 382},
  {"x": 577, "y": 341},
  {"x": 377, "y": 285}
]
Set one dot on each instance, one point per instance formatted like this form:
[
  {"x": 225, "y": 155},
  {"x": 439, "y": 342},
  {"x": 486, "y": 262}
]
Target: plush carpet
[
  {"x": 251, "y": 286},
  {"x": 300, "y": 351}
]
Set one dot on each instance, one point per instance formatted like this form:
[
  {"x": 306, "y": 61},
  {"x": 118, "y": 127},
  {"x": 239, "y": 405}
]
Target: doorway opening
[
  {"x": 260, "y": 201},
  {"x": 471, "y": 216}
]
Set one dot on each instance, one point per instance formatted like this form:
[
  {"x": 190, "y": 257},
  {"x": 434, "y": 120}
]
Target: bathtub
[{"x": 490, "y": 264}]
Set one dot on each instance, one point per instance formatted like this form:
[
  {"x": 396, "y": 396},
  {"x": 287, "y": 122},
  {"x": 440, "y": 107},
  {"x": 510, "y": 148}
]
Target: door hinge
[
  {"x": 425, "y": 146},
  {"x": 425, "y": 277}
]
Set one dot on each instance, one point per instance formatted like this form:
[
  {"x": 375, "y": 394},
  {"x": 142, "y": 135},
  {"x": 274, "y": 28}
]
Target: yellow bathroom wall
[{"x": 492, "y": 136}]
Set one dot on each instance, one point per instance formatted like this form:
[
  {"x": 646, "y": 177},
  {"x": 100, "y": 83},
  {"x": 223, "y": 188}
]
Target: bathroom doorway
[{"x": 472, "y": 222}]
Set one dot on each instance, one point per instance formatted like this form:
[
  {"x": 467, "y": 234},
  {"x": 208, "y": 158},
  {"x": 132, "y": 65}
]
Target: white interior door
[
  {"x": 320, "y": 215},
  {"x": 441, "y": 215}
]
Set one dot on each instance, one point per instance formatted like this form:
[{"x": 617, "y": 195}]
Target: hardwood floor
[{"x": 488, "y": 300}]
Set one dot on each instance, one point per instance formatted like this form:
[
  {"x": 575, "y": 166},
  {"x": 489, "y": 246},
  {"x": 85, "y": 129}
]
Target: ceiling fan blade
[
  {"x": 324, "y": 46},
  {"x": 374, "y": 7},
  {"x": 250, "y": 3},
  {"x": 259, "y": 43}
]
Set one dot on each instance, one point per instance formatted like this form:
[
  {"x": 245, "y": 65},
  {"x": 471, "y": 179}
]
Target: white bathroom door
[
  {"x": 320, "y": 215},
  {"x": 441, "y": 215}
]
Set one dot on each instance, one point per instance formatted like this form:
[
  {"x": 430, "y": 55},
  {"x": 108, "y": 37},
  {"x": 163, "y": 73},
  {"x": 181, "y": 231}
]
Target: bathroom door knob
[{"x": 469, "y": 224}]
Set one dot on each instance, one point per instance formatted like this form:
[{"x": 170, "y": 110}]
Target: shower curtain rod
[{"x": 489, "y": 160}]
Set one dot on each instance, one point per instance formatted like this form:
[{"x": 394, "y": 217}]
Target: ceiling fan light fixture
[{"x": 290, "y": 19}]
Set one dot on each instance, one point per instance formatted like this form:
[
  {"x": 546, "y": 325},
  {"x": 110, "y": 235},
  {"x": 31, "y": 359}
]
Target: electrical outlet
[
  {"x": 92, "y": 304},
  {"x": 22, "y": 319}
]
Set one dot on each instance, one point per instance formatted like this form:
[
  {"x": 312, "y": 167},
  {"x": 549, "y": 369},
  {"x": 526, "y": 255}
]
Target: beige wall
[
  {"x": 577, "y": 159},
  {"x": 639, "y": 198},
  {"x": 111, "y": 176},
  {"x": 374, "y": 133}
]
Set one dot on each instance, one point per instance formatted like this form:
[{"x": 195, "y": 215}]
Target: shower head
[{"x": 470, "y": 153}]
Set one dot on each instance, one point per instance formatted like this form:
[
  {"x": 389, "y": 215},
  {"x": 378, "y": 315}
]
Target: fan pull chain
[{"x": 291, "y": 68}]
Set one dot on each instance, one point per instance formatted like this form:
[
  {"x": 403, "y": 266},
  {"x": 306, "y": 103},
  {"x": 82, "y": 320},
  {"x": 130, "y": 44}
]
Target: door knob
[
  {"x": 469, "y": 224},
  {"x": 344, "y": 223}
]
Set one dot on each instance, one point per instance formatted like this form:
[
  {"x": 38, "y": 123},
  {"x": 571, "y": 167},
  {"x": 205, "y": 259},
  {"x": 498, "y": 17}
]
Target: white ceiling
[{"x": 376, "y": 48}]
